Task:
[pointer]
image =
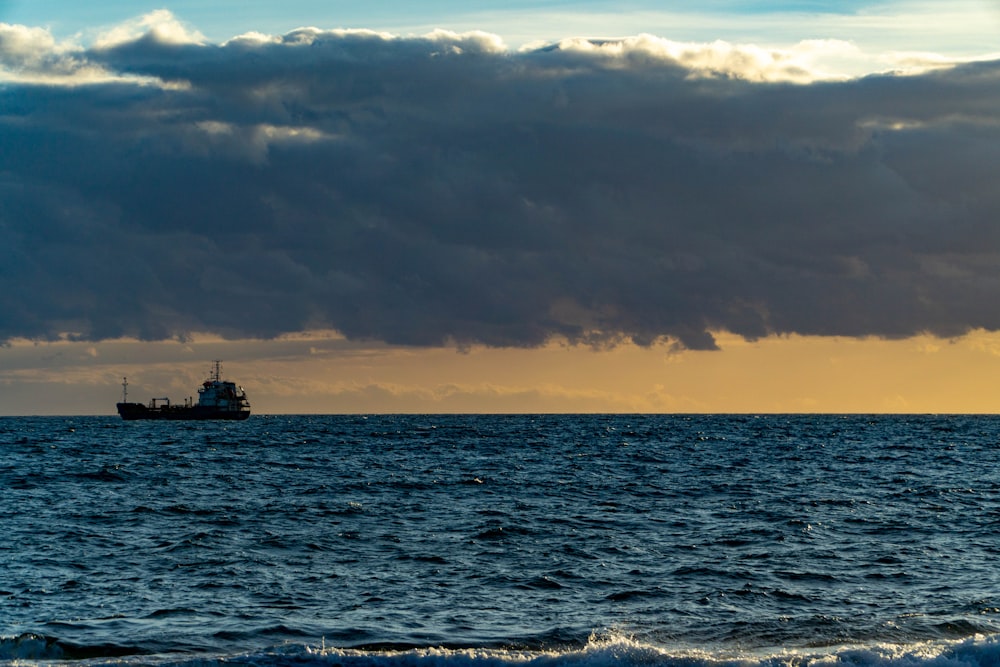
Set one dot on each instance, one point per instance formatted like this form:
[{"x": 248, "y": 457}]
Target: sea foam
[{"x": 608, "y": 650}]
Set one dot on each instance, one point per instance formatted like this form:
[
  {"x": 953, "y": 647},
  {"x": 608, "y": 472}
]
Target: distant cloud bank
[{"x": 445, "y": 189}]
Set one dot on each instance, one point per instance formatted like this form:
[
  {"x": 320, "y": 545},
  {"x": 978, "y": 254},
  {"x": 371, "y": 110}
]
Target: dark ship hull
[{"x": 133, "y": 411}]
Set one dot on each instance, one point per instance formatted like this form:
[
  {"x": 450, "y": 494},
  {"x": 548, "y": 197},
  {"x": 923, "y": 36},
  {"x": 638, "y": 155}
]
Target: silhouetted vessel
[{"x": 217, "y": 399}]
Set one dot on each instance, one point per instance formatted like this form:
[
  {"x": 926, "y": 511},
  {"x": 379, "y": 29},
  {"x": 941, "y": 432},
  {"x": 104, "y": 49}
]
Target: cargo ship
[{"x": 217, "y": 399}]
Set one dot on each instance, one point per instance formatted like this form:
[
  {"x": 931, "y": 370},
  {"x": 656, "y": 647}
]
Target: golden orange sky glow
[{"x": 325, "y": 374}]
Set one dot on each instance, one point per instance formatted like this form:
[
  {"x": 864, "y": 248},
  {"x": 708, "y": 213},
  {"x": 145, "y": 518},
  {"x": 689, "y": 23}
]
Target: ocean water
[{"x": 502, "y": 541}]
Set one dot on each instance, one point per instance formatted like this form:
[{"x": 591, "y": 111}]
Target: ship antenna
[
  {"x": 218, "y": 371},
  {"x": 125, "y": 390}
]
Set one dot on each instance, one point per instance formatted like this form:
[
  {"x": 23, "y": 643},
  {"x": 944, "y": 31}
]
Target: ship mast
[
  {"x": 217, "y": 374},
  {"x": 125, "y": 390}
]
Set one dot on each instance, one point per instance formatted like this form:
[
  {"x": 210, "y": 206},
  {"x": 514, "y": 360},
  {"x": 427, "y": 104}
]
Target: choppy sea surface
[{"x": 502, "y": 541}]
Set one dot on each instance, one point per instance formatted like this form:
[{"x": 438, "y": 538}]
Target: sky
[{"x": 501, "y": 206}]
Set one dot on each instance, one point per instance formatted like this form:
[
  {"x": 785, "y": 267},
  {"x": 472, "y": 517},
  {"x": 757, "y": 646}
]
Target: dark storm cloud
[{"x": 440, "y": 189}]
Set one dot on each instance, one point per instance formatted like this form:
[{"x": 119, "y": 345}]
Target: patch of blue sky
[
  {"x": 217, "y": 19},
  {"x": 960, "y": 28},
  {"x": 736, "y": 7}
]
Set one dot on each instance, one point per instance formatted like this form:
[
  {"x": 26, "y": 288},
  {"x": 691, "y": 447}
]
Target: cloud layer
[{"x": 445, "y": 189}]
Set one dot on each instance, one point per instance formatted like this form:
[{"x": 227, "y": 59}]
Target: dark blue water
[{"x": 395, "y": 541}]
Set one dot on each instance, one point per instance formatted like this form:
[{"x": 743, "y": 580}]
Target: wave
[{"x": 609, "y": 650}]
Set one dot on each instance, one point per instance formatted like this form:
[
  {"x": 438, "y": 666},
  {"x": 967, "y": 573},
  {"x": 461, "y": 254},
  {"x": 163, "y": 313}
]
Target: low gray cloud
[{"x": 444, "y": 189}]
